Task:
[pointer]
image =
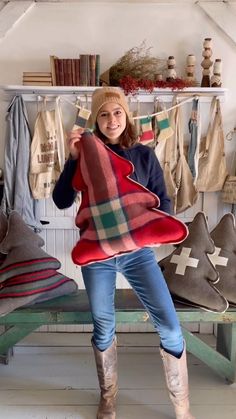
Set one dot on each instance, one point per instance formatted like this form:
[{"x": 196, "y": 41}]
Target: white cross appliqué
[
  {"x": 183, "y": 260},
  {"x": 216, "y": 259}
]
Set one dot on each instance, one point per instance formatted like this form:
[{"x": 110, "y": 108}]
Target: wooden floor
[{"x": 52, "y": 376}]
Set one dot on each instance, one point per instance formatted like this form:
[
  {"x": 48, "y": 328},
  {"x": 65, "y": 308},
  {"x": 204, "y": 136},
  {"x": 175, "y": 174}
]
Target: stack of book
[
  {"x": 37, "y": 78},
  {"x": 82, "y": 71}
]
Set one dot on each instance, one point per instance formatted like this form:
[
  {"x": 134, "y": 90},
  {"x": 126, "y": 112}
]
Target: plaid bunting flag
[
  {"x": 117, "y": 215},
  {"x": 165, "y": 130},
  {"x": 136, "y": 122},
  {"x": 147, "y": 134},
  {"x": 81, "y": 118}
]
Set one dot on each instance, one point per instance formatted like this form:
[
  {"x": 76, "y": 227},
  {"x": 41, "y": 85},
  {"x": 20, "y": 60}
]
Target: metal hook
[
  {"x": 78, "y": 102},
  {"x": 229, "y": 135}
]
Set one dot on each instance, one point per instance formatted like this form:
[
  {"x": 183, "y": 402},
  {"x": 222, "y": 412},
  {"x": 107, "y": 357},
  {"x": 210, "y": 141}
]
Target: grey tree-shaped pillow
[
  {"x": 22, "y": 247},
  {"x": 189, "y": 273},
  {"x": 224, "y": 257}
]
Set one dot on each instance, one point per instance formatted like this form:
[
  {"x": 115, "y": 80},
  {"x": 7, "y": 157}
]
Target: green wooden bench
[{"x": 74, "y": 309}]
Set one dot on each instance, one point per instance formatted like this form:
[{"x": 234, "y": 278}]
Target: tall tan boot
[
  {"x": 176, "y": 375},
  {"x": 106, "y": 363}
]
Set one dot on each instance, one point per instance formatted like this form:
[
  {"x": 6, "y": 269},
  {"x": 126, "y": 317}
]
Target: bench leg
[
  {"x": 11, "y": 336},
  {"x": 222, "y": 365},
  {"x": 226, "y": 342},
  {"x": 5, "y": 358}
]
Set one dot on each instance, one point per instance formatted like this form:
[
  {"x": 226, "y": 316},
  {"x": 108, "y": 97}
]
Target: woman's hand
[{"x": 73, "y": 139}]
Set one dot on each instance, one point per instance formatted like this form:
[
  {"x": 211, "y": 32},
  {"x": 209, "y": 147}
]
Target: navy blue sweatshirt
[{"x": 147, "y": 171}]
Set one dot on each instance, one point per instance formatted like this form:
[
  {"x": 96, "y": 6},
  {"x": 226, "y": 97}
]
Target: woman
[{"x": 110, "y": 115}]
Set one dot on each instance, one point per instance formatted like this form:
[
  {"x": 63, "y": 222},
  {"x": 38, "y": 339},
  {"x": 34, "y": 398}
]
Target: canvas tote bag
[
  {"x": 47, "y": 151},
  {"x": 187, "y": 193},
  {"x": 229, "y": 187},
  {"x": 212, "y": 163}
]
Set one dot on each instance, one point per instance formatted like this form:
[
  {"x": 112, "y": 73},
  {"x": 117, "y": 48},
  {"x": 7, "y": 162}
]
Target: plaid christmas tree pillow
[{"x": 117, "y": 215}]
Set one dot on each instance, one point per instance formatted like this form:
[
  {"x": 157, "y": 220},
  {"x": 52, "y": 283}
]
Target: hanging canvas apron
[
  {"x": 167, "y": 156},
  {"x": 212, "y": 163},
  {"x": 187, "y": 193},
  {"x": 17, "y": 194}
]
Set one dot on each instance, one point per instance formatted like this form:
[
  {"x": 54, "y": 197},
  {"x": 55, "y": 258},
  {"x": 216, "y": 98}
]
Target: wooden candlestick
[
  {"x": 190, "y": 68},
  {"x": 206, "y": 63},
  {"x": 217, "y": 70},
  {"x": 171, "y": 73}
]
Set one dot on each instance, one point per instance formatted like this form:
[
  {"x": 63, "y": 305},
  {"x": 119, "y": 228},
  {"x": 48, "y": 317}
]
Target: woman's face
[{"x": 111, "y": 121}]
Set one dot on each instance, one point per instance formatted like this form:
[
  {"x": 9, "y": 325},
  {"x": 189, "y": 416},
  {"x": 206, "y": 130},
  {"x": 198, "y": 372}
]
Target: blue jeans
[{"x": 144, "y": 275}]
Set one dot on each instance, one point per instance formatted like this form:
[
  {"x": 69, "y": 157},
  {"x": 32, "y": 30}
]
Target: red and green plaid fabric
[{"x": 117, "y": 215}]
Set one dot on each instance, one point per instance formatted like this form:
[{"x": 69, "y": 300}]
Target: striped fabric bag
[{"x": 117, "y": 215}]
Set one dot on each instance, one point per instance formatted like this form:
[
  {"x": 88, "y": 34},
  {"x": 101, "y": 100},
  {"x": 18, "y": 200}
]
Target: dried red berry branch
[{"x": 131, "y": 85}]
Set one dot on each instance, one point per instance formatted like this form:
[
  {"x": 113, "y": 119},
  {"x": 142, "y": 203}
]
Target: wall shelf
[{"x": 29, "y": 92}]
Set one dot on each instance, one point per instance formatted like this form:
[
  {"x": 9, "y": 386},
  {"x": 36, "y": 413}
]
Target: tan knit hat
[{"x": 106, "y": 95}]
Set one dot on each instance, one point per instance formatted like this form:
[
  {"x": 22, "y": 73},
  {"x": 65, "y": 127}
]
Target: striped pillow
[
  {"x": 28, "y": 274},
  {"x": 22, "y": 247},
  {"x": 33, "y": 288}
]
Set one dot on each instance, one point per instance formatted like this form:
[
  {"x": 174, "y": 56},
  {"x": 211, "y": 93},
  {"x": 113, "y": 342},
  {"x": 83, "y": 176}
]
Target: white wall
[{"x": 110, "y": 29}]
